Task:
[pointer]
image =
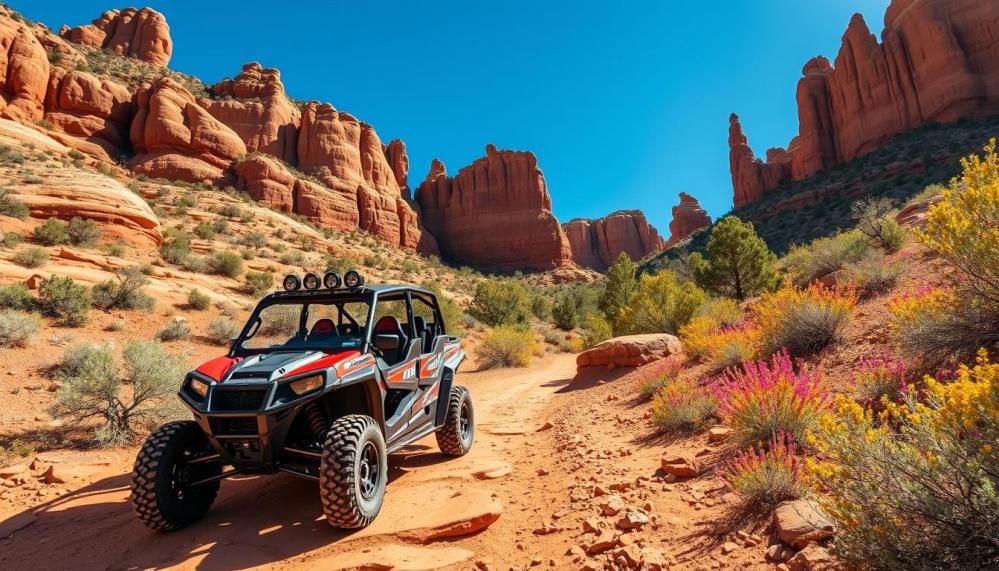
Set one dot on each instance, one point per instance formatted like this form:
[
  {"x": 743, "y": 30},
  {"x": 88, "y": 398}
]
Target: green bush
[
  {"x": 83, "y": 232},
  {"x": 619, "y": 286},
  {"x": 501, "y": 303},
  {"x": 661, "y": 304},
  {"x": 597, "y": 329},
  {"x": 280, "y": 320},
  {"x": 254, "y": 240},
  {"x": 565, "y": 311},
  {"x": 94, "y": 389},
  {"x": 176, "y": 329},
  {"x": 876, "y": 220},
  {"x": 11, "y": 206},
  {"x": 738, "y": 263},
  {"x": 64, "y": 300},
  {"x": 872, "y": 275},
  {"x": 205, "y": 230},
  {"x": 125, "y": 291},
  {"x": 221, "y": 330},
  {"x": 17, "y": 328},
  {"x": 176, "y": 249},
  {"x": 258, "y": 283},
  {"x": 824, "y": 256},
  {"x": 229, "y": 264},
  {"x": 505, "y": 346},
  {"x": 199, "y": 300},
  {"x": 541, "y": 307},
  {"x": 16, "y": 296},
  {"x": 9, "y": 239},
  {"x": 51, "y": 233},
  {"x": 31, "y": 257}
]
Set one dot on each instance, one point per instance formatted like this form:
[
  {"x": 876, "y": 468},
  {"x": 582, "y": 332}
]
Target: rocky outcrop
[
  {"x": 90, "y": 114},
  {"x": 494, "y": 213},
  {"x": 630, "y": 351},
  {"x": 255, "y": 106},
  {"x": 597, "y": 243},
  {"x": 24, "y": 73},
  {"x": 688, "y": 217},
  {"x": 937, "y": 61},
  {"x": 141, "y": 34},
  {"x": 177, "y": 139}
]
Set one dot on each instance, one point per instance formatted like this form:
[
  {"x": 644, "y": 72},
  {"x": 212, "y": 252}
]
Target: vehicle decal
[
  {"x": 322, "y": 363},
  {"x": 429, "y": 365},
  {"x": 216, "y": 368},
  {"x": 428, "y": 397},
  {"x": 405, "y": 372}
]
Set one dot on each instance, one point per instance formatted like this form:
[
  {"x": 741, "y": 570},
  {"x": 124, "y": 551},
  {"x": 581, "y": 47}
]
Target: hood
[{"x": 270, "y": 366}]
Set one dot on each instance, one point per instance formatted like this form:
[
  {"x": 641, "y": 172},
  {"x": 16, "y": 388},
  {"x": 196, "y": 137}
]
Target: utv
[{"x": 323, "y": 382}]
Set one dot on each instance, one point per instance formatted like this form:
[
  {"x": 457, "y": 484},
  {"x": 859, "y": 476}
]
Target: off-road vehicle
[{"x": 325, "y": 380}]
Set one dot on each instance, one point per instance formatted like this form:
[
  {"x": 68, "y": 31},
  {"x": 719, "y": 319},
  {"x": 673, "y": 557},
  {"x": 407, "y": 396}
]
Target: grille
[
  {"x": 238, "y": 400},
  {"x": 235, "y": 426}
]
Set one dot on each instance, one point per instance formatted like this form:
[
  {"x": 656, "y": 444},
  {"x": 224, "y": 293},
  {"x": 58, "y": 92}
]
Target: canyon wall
[
  {"x": 937, "y": 61},
  {"x": 596, "y": 243}
]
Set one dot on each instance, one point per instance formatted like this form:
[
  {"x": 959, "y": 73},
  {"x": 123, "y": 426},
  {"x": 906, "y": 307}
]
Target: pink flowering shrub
[
  {"x": 681, "y": 406},
  {"x": 767, "y": 475},
  {"x": 763, "y": 400},
  {"x": 879, "y": 378},
  {"x": 654, "y": 376}
]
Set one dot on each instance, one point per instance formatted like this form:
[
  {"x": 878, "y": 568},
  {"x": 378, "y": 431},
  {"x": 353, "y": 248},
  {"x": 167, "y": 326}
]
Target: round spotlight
[
  {"x": 352, "y": 279},
  {"x": 292, "y": 283},
  {"x": 311, "y": 281},
  {"x": 332, "y": 280}
]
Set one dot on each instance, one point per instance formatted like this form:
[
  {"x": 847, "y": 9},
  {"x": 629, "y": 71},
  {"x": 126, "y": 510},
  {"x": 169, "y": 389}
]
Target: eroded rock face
[
  {"x": 177, "y": 139},
  {"x": 495, "y": 213},
  {"x": 24, "y": 73},
  {"x": 95, "y": 114},
  {"x": 258, "y": 110},
  {"x": 597, "y": 243},
  {"x": 630, "y": 350},
  {"x": 141, "y": 34},
  {"x": 688, "y": 217},
  {"x": 937, "y": 61}
]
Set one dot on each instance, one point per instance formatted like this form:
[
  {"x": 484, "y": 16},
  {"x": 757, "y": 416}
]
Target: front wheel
[
  {"x": 353, "y": 472},
  {"x": 166, "y": 465},
  {"x": 455, "y": 436}
]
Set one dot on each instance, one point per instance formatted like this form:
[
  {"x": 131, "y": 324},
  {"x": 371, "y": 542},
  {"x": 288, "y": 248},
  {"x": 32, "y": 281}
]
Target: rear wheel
[
  {"x": 166, "y": 466},
  {"x": 455, "y": 436},
  {"x": 353, "y": 472}
]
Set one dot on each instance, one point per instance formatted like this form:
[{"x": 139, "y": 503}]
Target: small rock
[
  {"x": 633, "y": 520},
  {"x": 53, "y": 386},
  {"x": 729, "y": 547},
  {"x": 591, "y": 525},
  {"x": 719, "y": 434},
  {"x": 813, "y": 557},
  {"x": 12, "y": 470},
  {"x": 546, "y": 426},
  {"x": 612, "y": 505},
  {"x": 802, "y": 521},
  {"x": 52, "y": 476},
  {"x": 682, "y": 466},
  {"x": 603, "y": 543}
]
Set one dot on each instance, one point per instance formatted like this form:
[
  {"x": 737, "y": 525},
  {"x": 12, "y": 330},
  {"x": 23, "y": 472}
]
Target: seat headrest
[
  {"x": 388, "y": 324},
  {"x": 420, "y": 322},
  {"x": 323, "y": 326}
]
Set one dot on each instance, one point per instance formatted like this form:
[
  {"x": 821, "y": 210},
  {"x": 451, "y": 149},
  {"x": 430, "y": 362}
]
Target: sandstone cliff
[
  {"x": 937, "y": 61},
  {"x": 597, "y": 243},
  {"x": 141, "y": 34},
  {"x": 688, "y": 217}
]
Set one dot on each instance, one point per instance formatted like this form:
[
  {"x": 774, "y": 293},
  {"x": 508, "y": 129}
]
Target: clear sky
[{"x": 625, "y": 104}]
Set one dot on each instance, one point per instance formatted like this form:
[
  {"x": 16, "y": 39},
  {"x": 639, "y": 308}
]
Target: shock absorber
[{"x": 317, "y": 421}]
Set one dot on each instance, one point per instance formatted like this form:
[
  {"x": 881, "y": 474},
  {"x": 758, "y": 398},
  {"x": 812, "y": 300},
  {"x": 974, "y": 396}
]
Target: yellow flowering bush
[
  {"x": 915, "y": 486},
  {"x": 802, "y": 320}
]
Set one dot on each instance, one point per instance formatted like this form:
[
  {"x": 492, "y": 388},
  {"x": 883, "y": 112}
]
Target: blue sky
[{"x": 625, "y": 104}]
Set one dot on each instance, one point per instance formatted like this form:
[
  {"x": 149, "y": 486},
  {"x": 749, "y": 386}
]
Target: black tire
[
  {"x": 159, "y": 497},
  {"x": 455, "y": 436},
  {"x": 353, "y": 472}
]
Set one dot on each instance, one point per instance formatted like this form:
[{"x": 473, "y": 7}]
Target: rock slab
[{"x": 630, "y": 350}]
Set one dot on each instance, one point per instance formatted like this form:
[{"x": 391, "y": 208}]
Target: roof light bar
[{"x": 291, "y": 283}]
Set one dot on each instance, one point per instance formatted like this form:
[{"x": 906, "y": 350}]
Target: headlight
[
  {"x": 311, "y": 281},
  {"x": 353, "y": 279},
  {"x": 199, "y": 387},
  {"x": 306, "y": 385},
  {"x": 332, "y": 280},
  {"x": 291, "y": 283}
]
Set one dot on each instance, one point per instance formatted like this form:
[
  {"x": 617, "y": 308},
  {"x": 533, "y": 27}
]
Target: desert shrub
[
  {"x": 554, "y": 337},
  {"x": 824, "y": 256},
  {"x": 118, "y": 325},
  {"x": 176, "y": 249},
  {"x": 934, "y": 325},
  {"x": 65, "y": 300},
  {"x": 295, "y": 258},
  {"x": 229, "y": 264},
  {"x": 9, "y": 239},
  {"x": 197, "y": 264},
  {"x": 281, "y": 320},
  {"x": 876, "y": 220},
  {"x": 541, "y": 307},
  {"x": 258, "y": 283},
  {"x": 765, "y": 400},
  {"x": 83, "y": 232},
  {"x": 124, "y": 400},
  {"x": 803, "y": 320},
  {"x": 681, "y": 406},
  {"x": 655, "y": 376},
  {"x": 198, "y": 299},
  {"x": 205, "y": 230},
  {"x": 618, "y": 287},
  {"x": 738, "y": 263},
  {"x": 722, "y": 310},
  {"x": 597, "y": 329},
  {"x": 51, "y": 233},
  {"x": 661, "y": 304},
  {"x": 565, "y": 311},
  {"x": 501, "y": 303},
  {"x": 16, "y": 296},
  {"x": 920, "y": 490},
  {"x": 505, "y": 346},
  {"x": 11, "y": 206},
  {"x": 881, "y": 377},
  {"x": 767, "y": 475},
  {"x": 31, "y": 257},
  {"x": 176, "y": 329},
  {"x": 872, "y": 276},
  {"x": 17, "y": 328},
  {"x": 126, "y": 290},
  {"x": 221, "y": 330},
  {"x": 254, "y": 240}
]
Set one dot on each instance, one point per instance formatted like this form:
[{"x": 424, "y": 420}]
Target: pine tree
[
  {"x": 738, "y": 262},
  {"x": 620, "y": 286}
]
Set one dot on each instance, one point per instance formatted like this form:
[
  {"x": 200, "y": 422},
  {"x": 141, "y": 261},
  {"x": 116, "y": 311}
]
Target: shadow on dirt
[
  {"x": 254, "y": 521},
  {"x": 589, "y": 377}
]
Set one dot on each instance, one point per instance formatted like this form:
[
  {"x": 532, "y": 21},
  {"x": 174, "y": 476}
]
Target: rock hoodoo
[
  {"x": 597, "y": 243},
  {"x": 937, "y": 61},
  {"x": 495, "y": 212},
  {"x": 24, "y": 73},
  {"x": 141, "y": 34},
  {"x": 688, "y": 217}
]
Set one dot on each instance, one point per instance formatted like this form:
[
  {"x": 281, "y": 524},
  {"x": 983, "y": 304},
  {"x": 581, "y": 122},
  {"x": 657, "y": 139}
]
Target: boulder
[
  {"x": 688, "y": 217},
  {"x": 91, "y": 115},
  {"x": 24, "y": 73},
  {"x": 597, "y": 243},
  {"x": 680, "y": 465},
  {"x": 630, "y": 350},
  {"x": 495, "y": 213},
  {"x": 812, "y": 558},
  {"x": 800, "y": 522},
  {"x": 177, "y": 139},
  {"x": 141, "y": 34}
]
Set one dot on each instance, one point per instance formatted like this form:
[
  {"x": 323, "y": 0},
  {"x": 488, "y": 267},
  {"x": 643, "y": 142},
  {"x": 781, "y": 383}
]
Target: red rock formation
[
  {"x": 141, "y": 34},
  {"x": 92, "y": 115},
  {"x": 938, "y": 61},
  {"x": 751, "y": 177},
  {"x": 255, "y": 106},
  {"x": 688, "y": 217},
  {"x": 177, "y": 139},
  {"x": 24, "y": 73},
  {"x": 495, "y": 212},
  {"x": 597, "y": 243},
  {"x": 399, "y": 161}
]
